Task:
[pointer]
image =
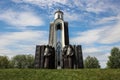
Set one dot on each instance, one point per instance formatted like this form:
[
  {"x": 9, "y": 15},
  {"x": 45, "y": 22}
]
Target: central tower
[
  {"x": 58, "y": 53},
  {"x": 58, "y": 36},
  {"x": 58, "y": 25}
]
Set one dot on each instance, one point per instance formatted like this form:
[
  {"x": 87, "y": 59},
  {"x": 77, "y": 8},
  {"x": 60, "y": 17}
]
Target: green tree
[
  {"x": 114, "y": 58},
  {"x": 4, "y": 62},
  {"x": 91, "y": 62},
  {"x": 30, "y": 61},
  {"x": 23, "y": 61}
]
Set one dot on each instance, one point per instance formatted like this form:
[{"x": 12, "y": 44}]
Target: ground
[{"x": 64, "y": 74}]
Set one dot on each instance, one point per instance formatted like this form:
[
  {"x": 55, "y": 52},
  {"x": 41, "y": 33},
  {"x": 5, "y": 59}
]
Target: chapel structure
[{"x": 59, "y": 53}]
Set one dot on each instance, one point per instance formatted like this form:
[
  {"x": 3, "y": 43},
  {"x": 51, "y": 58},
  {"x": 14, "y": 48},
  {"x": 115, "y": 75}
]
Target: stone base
[
  {"x": 44, "y": 59},
  {"x": 71, "y": 57}
]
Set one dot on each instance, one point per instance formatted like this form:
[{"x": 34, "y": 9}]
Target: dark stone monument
[{"x": 58, "y": 53}]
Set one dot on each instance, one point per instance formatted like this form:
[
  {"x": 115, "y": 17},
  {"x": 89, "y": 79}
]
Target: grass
[{"x": 64, "y": 74}]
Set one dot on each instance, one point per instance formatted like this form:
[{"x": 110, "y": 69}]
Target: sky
[{"x": 94, "y": 24}]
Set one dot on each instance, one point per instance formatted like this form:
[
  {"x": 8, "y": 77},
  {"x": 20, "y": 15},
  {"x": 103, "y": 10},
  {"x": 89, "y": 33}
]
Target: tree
[
  {"x": 4, "y": 62},
  {"x": 91, "y": 62},
  {"x": 114, "y": 58},
  {"x": 23, "y": 61},
  {"x": 30, "y": 61}
]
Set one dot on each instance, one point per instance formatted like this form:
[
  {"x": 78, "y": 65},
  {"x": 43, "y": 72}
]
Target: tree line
[
  {"x": 27, "y": 61},
  {"x": 18, "y": 61},
  {"x": 113, "y": 60}
]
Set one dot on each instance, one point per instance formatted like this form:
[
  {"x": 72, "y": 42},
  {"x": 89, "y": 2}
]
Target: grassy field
[{"x": 45, "y": 74}]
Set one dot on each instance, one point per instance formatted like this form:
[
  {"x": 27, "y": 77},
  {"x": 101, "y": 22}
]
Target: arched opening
[
  {"x": 58, "y": 50},
  {"x": 59, "y": 26},
  {"x": 59, "y": 31}
]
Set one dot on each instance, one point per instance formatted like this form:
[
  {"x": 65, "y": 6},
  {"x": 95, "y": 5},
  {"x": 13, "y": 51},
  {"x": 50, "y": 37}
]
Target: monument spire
[{"x": 58, "y": 53}]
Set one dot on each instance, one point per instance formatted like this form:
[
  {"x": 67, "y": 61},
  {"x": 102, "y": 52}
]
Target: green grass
[{"x": 64, "y": 74}]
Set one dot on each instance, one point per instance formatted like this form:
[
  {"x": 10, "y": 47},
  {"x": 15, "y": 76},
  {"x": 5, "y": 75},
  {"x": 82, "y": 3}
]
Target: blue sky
[{"x": 95, "y": 24}]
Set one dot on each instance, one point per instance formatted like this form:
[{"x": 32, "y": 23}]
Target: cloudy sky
[{"x": 95, "y": 24}]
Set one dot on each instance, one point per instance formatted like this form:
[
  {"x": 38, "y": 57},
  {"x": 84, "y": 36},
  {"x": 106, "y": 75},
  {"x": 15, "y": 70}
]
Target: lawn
[{"x": 63, "y": 74}]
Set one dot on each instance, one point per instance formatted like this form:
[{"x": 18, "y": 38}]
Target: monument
[{"x": 59, "y": 53}]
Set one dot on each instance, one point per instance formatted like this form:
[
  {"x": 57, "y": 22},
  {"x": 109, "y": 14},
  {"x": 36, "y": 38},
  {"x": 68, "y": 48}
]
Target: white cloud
[
  {"x": 111, "y": 35},
  {"x": 72, "y": 6},
  {"x": 13, "y": 43},
  {"x": 106, "y": 20},
  {"x": 91, "y": 50},
  {"x": 87, "y": 37},
  {"x": 95, "y": 6},
  {"x": 106, "y": 35},
  {"x": 78, "y": 3},
  {"x": 21, "y": 19},
  {"x": 42, "y": 3},
  {"x": 71, "y": 16},
  {"x": 98, "y": 6}
]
